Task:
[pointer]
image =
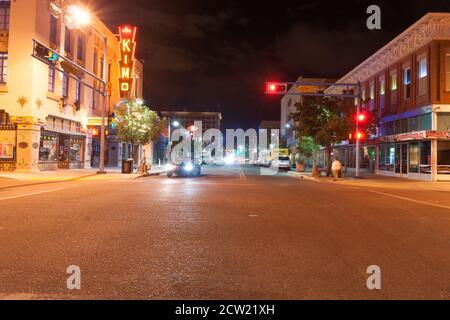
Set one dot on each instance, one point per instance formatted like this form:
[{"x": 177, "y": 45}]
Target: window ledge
[
  {"x": 3, "y": 87},
  {"x": 53, "y": 96}
]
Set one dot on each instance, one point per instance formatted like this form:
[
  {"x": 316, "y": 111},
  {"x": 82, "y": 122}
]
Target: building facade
[
  {"x": 55, "y": 105},
  {"x": 210, "y": 120},
  {"x": 406, "y": 89}
]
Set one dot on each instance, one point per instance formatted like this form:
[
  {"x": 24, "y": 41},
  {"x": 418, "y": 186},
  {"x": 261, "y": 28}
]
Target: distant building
[
  {"x": 186, "y": 118},
  {"x": 269, "y": 124}
]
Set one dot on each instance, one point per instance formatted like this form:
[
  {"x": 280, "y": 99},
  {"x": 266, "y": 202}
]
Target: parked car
[{"x": 282, "y": 162}]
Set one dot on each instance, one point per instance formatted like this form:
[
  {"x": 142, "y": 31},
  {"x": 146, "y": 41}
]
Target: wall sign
[
  {"x": 127, "y": 48},
  {"x": 6, "y": 150}
]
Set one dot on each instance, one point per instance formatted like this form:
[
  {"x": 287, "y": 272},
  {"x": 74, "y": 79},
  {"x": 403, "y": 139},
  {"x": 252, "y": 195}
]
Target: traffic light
[
  {"x": 276, "y": 88},
  {"x": 361, "y": 118},
  {"x": 358, "y": 135}
]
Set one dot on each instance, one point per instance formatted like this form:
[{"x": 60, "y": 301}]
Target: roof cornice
[{"x": 432, "y": 26}]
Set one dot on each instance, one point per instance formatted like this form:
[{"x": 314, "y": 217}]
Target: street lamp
[
  {"x": 175, "y": 124},
  {"x": 80, "y": 17}
]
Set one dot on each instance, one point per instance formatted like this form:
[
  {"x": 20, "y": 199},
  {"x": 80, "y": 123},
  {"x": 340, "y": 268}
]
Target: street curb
[
  {"x": 48, "y": 182},
  {"x": 303, "y": 176},
  {"x": 151, "y": 174}
]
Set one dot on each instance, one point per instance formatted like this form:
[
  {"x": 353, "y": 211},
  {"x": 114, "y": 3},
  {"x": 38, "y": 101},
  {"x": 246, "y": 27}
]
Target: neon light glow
[{"x": 127, "y": 49}]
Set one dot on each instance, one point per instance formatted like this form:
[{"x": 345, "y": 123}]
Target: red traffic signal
[
  {"x": 276, "y": 88},
  {"x": 359, "y": 135},
  {"x": 361, "y": 118}
]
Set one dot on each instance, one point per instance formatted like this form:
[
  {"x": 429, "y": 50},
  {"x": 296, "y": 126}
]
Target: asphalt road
[{"x": 230, "y": 234}]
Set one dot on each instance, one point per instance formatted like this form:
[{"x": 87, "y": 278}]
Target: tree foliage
[
  {"x": 327, "y": 120},
  {"x": 137, "y": 124}
]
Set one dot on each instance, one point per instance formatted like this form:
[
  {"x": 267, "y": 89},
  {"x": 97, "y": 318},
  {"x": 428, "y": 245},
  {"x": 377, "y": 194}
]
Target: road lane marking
[
  {"x": 241, "y": 173},
  {"x": 411, "y": 200},
  {"x": 30, "y": 194}
]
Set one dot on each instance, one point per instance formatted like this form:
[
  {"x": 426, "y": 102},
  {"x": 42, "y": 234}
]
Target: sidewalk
[
  {"x": 378, "y": 181},
  {"x": 15, "y": 179}
]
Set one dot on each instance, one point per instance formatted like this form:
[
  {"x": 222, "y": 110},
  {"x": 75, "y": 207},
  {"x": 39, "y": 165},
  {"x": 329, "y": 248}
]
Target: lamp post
[
  {"x": 81, "y": 17},
  {"x": 175, "y": 124}
]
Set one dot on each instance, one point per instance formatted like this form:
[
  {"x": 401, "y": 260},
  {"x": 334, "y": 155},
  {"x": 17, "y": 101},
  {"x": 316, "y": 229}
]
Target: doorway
[
  {"x": 401, "y": 158},
  {"x": 63, "y": 152}
]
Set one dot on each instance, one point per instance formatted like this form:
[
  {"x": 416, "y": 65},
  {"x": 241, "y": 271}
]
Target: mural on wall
[
  {"x": 22, "y": 101},
  {"x": 39, "y": 103}
]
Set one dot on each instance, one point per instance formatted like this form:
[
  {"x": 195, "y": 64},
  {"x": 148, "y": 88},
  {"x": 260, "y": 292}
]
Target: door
[
  {"x": 404, "y": 151},
  {"x": 401, "y": 158},
  {"x": 397, "y": 158},
  {"x": 63, "y": 152}
]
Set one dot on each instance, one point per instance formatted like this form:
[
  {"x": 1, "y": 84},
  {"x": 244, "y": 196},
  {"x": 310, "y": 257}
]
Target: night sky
[{"x": 216, "y": 55}]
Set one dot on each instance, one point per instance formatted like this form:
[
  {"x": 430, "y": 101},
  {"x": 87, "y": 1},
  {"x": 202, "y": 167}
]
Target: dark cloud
[{"x": 204, "y": 54}]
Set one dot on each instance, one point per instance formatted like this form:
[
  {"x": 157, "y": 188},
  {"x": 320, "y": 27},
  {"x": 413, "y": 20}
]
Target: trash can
[{"x": 127, "y": 166}]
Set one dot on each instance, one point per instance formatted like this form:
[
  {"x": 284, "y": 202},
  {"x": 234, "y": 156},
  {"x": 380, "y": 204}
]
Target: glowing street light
[
  {"x": 175, "y": 123},
  {"x": 79, "y": 16}
]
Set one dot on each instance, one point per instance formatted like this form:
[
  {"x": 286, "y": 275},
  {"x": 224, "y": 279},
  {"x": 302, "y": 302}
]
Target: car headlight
[{"x": 188, "y": 167}]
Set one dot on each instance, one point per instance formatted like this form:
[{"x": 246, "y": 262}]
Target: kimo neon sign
[{"x": 127, "y": 48}]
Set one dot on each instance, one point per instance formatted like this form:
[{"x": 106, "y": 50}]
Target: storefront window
[
  {"x": 382, "y": 157},
  {"x": 76, "y": 149},
  {"x": 390, "y": 159},
  {"x": 425, "y": 157},
  {"x": 443, "y": 157},
  {"x": 48, "y": 147},
  {"x": 443, "y": 121},
  {"x": 414, "y": 157},
  {"x": 425, "y": 121}
]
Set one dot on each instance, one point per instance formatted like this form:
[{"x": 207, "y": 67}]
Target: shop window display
[
  {"x": 48, "y": 148},
  {"x": 76, "y": 149},
  {"x": 414, "y": 157},
  {"x": 443, "y": 157},
  {"x": 425, "y": 157}
]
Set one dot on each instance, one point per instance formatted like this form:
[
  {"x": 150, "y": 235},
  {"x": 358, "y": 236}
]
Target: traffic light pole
[
  {"x": 358, "y": 146},
  {"x": 272, "y": 90}
]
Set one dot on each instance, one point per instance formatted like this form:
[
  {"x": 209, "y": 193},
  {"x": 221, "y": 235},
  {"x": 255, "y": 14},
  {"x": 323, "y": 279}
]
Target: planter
[{"x": 300, "y": 167}]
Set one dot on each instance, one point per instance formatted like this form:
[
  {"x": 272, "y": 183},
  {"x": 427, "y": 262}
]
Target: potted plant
[{"x": 300, "y": 165}]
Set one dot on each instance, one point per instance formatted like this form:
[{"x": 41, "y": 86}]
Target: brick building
[{"x": 406, "y": 88}]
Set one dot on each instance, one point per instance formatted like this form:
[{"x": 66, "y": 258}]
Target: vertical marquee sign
[{"x": 127, "y": 47}]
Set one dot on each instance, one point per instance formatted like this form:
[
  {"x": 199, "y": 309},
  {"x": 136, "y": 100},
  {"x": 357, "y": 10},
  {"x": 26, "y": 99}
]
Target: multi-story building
[
  {"x": 55, "y": 106},
  {"x": 186, "y": 119},
  {"x": 210, "y": 120},
  {"x": 406, "y": 89}
]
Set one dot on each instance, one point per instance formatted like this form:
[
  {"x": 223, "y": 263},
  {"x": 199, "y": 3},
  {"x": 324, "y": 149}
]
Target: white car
[{"x": 282, "y": 162}]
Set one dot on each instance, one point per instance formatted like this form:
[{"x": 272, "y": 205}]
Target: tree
[
  {"x": 307, "y": 147},
  {"x": 137, "y": 124},
  {"x": 327, "y": 120}
]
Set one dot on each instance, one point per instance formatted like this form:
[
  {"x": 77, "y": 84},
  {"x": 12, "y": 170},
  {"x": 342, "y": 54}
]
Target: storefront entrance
[
  {"x": 63, "y": 153},
  {"x": 401, "y": 158}
]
